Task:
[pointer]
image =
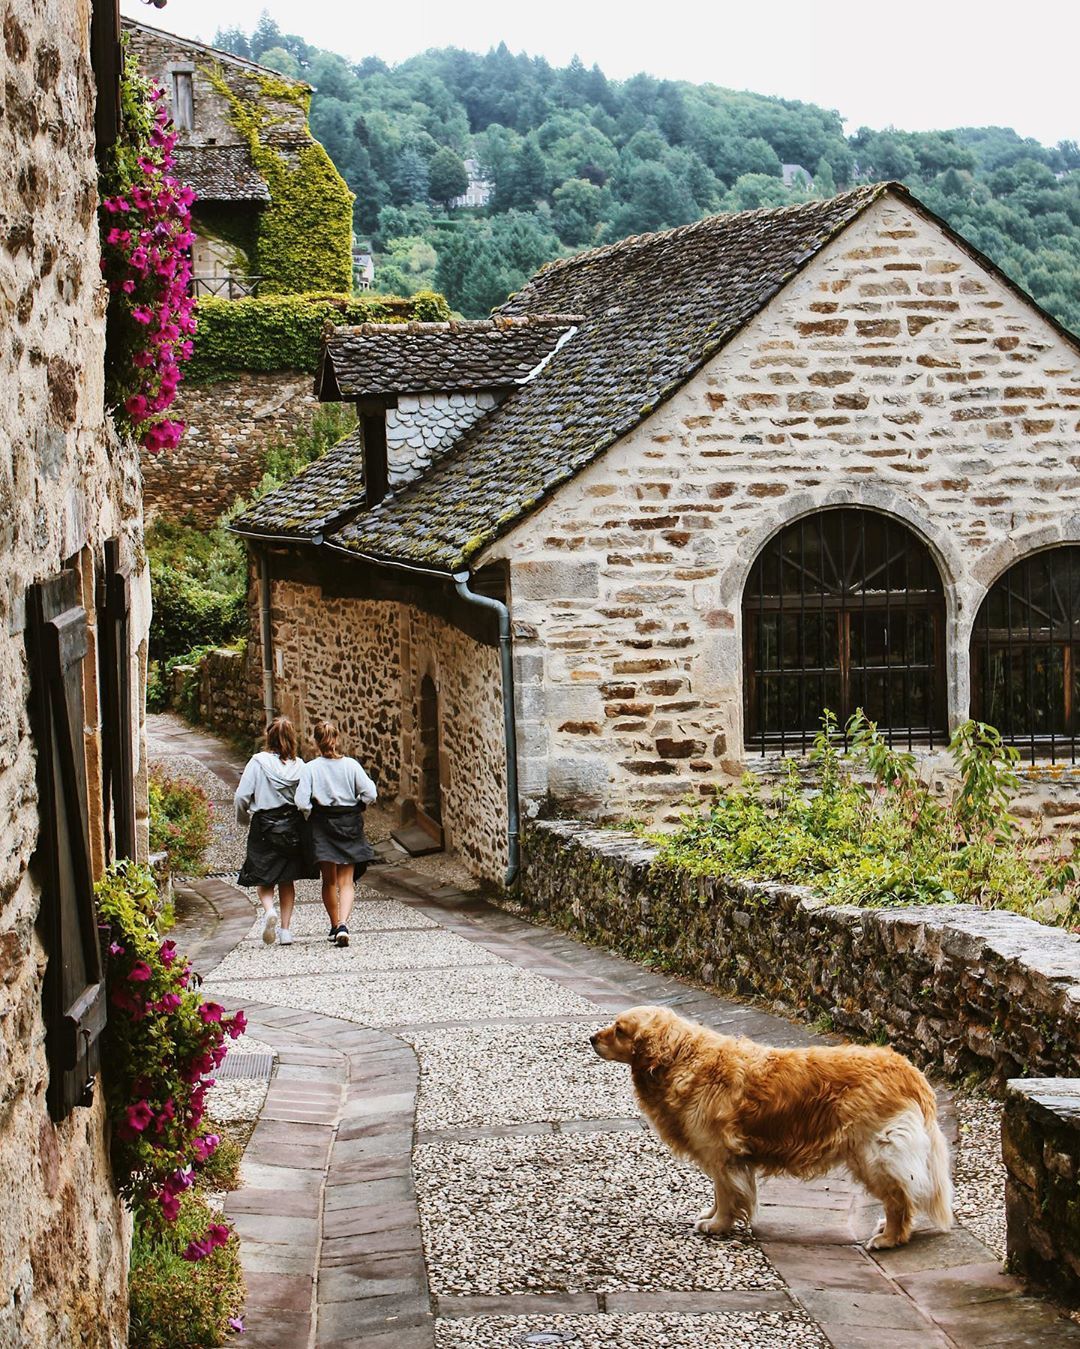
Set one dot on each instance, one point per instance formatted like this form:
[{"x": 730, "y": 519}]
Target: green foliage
[
  {"x": 175, "y": 1303},
  {"x": 304, "y": 236},
  {"x": 430, "y": 307},
  {"x": 889, "y": 841},
  {"x": 198, "y": 584},
  {"x": 274, "y": 332},
  {"x": 447, "y": 177},
  {"x": 179, "y": 822},
  {"x": 659, "y": 152}
]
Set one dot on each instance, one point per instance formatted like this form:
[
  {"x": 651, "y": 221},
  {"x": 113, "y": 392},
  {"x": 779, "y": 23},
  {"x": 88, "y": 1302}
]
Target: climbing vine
[
  {"x": 304, "y": 236},
  {"x": 145, "y": 261}
]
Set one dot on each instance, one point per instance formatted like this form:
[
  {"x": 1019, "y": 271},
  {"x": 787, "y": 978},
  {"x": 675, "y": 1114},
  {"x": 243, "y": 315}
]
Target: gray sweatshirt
[
  {"x": 333, "y": 782},
  {"x": 268, "y": 782}
]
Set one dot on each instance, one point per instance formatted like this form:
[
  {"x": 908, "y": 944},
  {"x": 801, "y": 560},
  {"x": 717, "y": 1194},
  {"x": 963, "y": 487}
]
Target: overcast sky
[{"x": 914, "y": 64}]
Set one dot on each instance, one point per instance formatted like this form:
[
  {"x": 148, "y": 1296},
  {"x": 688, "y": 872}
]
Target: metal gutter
[{"x": 506, "y": 659}]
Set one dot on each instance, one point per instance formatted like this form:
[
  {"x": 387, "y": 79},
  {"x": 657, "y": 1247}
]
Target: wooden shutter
[
  {"x": 114, "y": 674},
  {"x": 74, "y": 992},
  {"x": 107, "y": 60}
]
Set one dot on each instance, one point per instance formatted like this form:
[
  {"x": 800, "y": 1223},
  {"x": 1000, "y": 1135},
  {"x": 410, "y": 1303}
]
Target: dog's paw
[
  {"x": 880, "y": 1242},
  {"x": 712, "y": 1227},
  {"x": 705, "y": 1214}
]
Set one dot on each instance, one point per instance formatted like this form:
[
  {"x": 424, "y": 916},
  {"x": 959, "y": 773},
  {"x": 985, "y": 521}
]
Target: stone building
[
  {"x": 204, "y": 87},
  {"x": 677, "y": 496},
  {"x": 74, "y": 599}
]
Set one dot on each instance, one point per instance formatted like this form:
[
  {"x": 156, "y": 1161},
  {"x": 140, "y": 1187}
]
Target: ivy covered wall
[{"x": 303, "y": 237}]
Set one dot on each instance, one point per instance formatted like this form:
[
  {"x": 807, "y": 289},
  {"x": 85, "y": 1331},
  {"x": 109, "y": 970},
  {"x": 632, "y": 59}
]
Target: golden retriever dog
[{"x": 739, "y": 1109}]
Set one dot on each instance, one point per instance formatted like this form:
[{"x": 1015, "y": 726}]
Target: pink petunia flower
[
  {"x": 138, "y": 1116},
  {"x": 140, "y": 972},
  {"x": 210, "y": 1011}
]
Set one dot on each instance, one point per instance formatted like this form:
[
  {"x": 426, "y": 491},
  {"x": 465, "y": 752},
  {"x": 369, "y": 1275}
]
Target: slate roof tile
[
  {"x": 654, "y": 309},
  {"x": 388, "y": 358},
  {"x": 220, "y": 172},
  {"x": 324, "y": 492}
]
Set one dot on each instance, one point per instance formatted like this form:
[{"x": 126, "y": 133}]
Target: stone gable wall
[
  {"x": 361, "y": 663},
  {"x": 423, "y": 425},
  {"x": 230, "y": 427},
  {"x": 895, "y": 373},
  {"x": 157, "y": 52},
  {"x": 66, "y": 485}
]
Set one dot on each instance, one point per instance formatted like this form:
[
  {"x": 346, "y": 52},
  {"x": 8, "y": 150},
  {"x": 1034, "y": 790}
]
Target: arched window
[
  {"x": 430, "y": 788},
  {"x": 843, "y": 609},
  {"x": 1025, "y": 654}
]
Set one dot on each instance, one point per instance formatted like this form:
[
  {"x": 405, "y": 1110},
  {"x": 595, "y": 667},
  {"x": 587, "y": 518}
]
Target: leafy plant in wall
[{"x": 145, "y": 259}]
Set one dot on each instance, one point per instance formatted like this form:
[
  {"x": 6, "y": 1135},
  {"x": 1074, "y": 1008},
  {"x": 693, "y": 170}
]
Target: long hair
[
  {"x": 326, "y": 737},
  {"x": 281, "y": 738}
]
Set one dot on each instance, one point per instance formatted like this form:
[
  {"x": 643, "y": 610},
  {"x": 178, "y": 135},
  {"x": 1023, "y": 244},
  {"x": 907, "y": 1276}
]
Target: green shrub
[
  {"x": 284, "y": 332},
  {"x": 199, "y": 584},
  {"x": 889, "y": 841},
  {"x": 177, "y": 1303},
  {"x": 428, "y": 306},
  {"x": 179, "y": 822},
  {"x": 221, "y": 1170}
]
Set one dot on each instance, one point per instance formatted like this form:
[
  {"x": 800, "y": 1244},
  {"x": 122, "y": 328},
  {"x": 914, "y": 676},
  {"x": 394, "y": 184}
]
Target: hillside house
[
  {"x": 75, "y": 608},
  {"x": 203, "y": 86},
  {"x": 679, "y": 494}
]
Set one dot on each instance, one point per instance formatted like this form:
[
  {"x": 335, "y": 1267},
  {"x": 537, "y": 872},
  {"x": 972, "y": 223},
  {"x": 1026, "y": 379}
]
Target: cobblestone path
[{"x": 441, "y": 1161}]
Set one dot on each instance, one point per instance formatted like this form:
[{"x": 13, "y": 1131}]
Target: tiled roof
[
  {"x": 220, "y": 172},
  {"x": 329, "y": 489},
  {"x": 387, "y": 358},
  {"x": 656, "y": 307}
]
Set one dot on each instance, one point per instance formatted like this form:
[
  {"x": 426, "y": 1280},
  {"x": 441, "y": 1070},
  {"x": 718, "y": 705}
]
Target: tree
[
  {"x": 412, "y": 180},
  {"x": 277, "y": 58},
  {"x": 266, "y": 35},
  {"x": 448, "y": 177},
  {"x": 579, "y": 207}
]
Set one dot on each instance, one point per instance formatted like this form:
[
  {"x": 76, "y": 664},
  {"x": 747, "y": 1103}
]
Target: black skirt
[
  {"x": 336, "y": 834},
  {"x": 275, "y": 848}
]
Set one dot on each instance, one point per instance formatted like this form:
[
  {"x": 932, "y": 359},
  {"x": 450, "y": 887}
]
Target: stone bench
[{"x": 1041, "y": 1148}]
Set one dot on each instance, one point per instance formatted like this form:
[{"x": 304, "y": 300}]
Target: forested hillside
[{"x": 576, "y": 159}]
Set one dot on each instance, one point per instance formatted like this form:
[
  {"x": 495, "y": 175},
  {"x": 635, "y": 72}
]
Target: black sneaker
[
  {"x": 332, "y": 934},
  {"x": 342, "y": 936}
]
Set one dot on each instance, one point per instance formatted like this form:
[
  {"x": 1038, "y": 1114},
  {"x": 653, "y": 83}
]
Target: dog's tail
[
  {"x": 911, "y": 1152},
  {"x": 938, "y": 1203}
]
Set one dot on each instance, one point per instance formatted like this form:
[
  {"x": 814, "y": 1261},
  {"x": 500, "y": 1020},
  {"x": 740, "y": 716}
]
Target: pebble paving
[
  {"x": 572, "y": 1212},
  {"x": 634, "y": 1330},
  {"x": 554, "y": 1075}
]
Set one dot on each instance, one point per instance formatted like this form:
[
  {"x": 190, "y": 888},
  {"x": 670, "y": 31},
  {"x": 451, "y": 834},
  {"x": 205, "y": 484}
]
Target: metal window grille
[
  {"x": 1025, "y": 655},
  {"x": 843, "y": 610}
]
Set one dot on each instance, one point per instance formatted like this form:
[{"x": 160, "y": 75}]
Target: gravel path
[
  {"x": 635, "y": 1330},
  {"x": 979, "y": 1172}
]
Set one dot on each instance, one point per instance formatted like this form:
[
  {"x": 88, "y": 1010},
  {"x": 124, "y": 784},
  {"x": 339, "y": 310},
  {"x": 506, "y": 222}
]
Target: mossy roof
[
  {"x": 654, "y": 309},
  {"x": 376, "y": 359}
]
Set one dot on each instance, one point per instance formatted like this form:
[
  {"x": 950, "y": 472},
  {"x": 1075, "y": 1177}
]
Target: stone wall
[
  {"x": 422, "y": 425},
  {"x": 230, "y": 426},
  {"x": 1040, "y": 1143},
  {"x": 895, "y": 373},
  {"x": 472, "y": 751},
  {"x": 963, "y": 989},
  {"x": 66, "y": 485},
  {"x": 361, "y": 663},
  {"x": 230, "y": 699}
]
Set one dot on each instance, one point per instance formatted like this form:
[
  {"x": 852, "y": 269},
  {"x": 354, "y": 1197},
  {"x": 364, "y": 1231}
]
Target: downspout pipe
[
  {"x": 266, "y": 636},
  {"x": 506, "y": 660}
]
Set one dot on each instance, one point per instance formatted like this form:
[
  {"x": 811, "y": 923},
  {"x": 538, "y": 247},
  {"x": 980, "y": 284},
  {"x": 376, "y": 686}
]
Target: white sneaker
[
  {"x": 284, "y": 936},
  {"x": 270, "y": 928}
]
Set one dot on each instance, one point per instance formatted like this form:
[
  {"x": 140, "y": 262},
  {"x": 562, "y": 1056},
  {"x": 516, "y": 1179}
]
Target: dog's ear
[{"x": 649, "y": 1036}]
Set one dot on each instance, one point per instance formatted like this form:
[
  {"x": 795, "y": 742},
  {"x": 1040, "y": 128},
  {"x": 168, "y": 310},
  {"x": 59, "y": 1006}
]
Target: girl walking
[
  {"x": 265, "y": 801},
  {"x": 332, "y": 792}
]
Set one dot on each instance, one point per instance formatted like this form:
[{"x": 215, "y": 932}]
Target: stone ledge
[
  {"x": 964, "y": 989},
  {"x": 1040, "y": 1140}
]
